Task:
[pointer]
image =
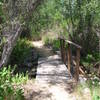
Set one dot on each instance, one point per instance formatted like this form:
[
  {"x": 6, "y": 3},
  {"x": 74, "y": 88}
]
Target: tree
[{"x": 17, "y": 11}]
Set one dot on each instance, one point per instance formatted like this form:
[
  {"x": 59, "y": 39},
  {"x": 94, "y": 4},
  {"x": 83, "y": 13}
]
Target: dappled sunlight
[
  {"x": 38, "y": 44},
  {"x": 53, "y": 75}
]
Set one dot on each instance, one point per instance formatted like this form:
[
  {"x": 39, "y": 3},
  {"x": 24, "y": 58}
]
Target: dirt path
[
  {"x": 42, "y": 50},
  {"x": 52, "y": 81}
]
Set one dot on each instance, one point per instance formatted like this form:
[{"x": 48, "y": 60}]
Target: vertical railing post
[
  {"x": 69, "y": 57},
  {"x": 77, "y": 64},
  {"x": 61, "y": 49},
  {"x": 64, "y": 52}
]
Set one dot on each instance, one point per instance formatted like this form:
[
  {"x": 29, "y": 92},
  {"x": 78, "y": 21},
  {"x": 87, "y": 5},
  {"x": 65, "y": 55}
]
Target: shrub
[
  {"x": 52, "y": 42},
  {"x": 90, "y": 63},
  {"x": 8, "y": 81},
  {"x": 20, "y": 51}
]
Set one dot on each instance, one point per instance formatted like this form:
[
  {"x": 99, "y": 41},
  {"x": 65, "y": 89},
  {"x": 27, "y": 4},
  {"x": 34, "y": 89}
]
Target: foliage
[
  {"x": 20, "y": 51},
  {"x": 2, "y": 17},
  {"x": 93, "y": 86},
  {"x": 9, "y": 84},
  {"x": 78, "y": 19},
  {"x": 54, "y": 43},
  {"x": 47, "y": 16},
  {"x": 89, "y": 63}
]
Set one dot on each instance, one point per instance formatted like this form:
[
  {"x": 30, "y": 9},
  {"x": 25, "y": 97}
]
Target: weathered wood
[
  {"x": 76, "y": 45},
  {"x": 51, "y": 70},
  {"x": 99, "y": 70},
  {"x": 69, "y": 57},
  {"x": 63, "y": 42},
  {"x": 77, "y": 64},
  {"x": 61, "y": 49},
  {"x": 80, "y": 69},
  {"x": 64, "y": 52},
  {"x": 70, "y": 42}
]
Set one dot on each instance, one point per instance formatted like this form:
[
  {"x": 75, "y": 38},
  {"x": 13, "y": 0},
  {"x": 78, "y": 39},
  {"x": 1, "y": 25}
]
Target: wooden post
[
  {"x": 69, "y": 57},
  {"x": 61, "y": 49},
  {"x": 77, "y": 64},
  {"x": 64, "y": 52},
  {"x": 99, "y": 70}
]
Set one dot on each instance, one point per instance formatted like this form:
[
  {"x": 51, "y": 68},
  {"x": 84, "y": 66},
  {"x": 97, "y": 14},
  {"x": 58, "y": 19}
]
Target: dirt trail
[{"x": 42, "y": 50}]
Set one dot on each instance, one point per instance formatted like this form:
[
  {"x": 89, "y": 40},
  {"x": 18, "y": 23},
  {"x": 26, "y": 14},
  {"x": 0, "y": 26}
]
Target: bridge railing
[{"x": 67, "y": 58}]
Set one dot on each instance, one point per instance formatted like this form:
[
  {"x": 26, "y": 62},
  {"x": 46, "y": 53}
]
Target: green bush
[
  {"x": 9, "y": 84},
  {"x": 52, "y": 42},
  {"x": 56, "y": 44},
  {"x": 20, "y": 51},
  {"x": 89, "y": 60}
]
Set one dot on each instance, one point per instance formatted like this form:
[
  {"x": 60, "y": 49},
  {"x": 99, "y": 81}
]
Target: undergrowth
[
  {"x": 91, "y": 88},
  {"x": 9, "y": 83},
  {"x": 52, "y": 42},
  {"x": 20, "y": 51},
  {"x": 91, "y": 64}
]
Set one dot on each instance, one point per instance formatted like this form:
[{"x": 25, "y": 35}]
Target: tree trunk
[
  {"x": 10, "y": 43},
  {"x": 13, "y": 32}
]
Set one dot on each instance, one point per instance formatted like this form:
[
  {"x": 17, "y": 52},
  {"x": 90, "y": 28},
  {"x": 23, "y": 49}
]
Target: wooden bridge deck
[
  {"x": 52, "y": 70},
  {"x": 54, "y": 79}
]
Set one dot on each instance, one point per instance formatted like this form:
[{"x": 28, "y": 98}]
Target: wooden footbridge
[
  {"x": 54, "y": 65},
  {"x": 66, "y": 56},
  {"x": 54, "y": 72}
]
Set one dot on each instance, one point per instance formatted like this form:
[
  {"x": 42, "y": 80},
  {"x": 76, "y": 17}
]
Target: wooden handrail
[
  {"x": 63, "y": 42},
  {"x": 70, "y": 42},
  {"x": 74, "y": 44}
]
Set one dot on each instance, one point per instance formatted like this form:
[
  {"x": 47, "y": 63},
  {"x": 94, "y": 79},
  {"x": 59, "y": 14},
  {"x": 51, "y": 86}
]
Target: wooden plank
[
  {"x": 51, "y": 70},
  {"x": 70, "y": 42},
  {"x": 74, "y": 44}
]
